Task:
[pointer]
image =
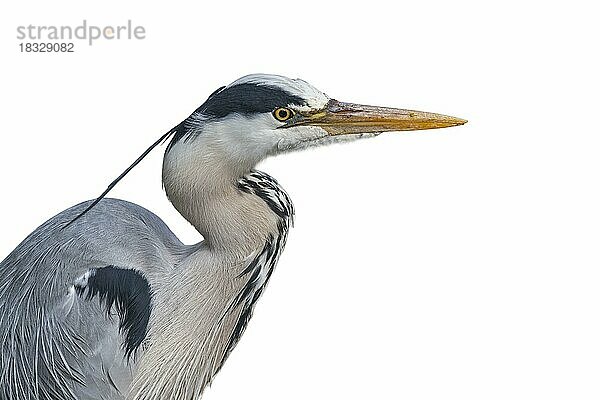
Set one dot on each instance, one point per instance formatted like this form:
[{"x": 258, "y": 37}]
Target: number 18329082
[{"x": 47, "y": 47}]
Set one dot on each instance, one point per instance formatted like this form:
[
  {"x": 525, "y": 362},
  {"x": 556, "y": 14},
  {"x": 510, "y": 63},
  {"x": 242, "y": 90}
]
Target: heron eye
[{"x": 283, "y": 114}]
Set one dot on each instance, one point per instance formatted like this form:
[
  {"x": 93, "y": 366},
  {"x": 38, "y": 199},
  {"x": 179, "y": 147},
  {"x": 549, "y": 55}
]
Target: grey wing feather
[{"x": 56, "y": 343}]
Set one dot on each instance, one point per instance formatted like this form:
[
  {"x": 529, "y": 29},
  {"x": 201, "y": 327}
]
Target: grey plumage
[
  {"x": 106, "y": 303},
  {"x": 61, "y": 345}
]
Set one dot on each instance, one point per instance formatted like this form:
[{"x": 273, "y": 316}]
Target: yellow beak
[{"x": 340, "y": 118}]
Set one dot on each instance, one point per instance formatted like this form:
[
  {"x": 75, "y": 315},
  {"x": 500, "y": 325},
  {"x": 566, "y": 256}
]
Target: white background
[{"x": 453, "y": 264}]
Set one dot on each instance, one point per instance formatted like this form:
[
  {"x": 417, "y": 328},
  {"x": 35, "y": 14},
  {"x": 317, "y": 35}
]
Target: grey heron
[{"x": 103, "y": 301}]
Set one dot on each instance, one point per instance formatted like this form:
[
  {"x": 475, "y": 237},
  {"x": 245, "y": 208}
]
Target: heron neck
[{"x": 202, "y": 185}]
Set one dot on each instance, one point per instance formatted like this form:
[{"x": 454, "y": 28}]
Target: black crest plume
[{"x": 162, "y": 139}]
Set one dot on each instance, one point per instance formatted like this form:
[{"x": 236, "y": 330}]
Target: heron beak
[{"x": 340, "y": 118}]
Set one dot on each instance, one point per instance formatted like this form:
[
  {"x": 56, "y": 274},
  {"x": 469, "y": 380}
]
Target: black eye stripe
[
  {"x": 244, "y": 98},
  {"x": 247, "y": 98}
]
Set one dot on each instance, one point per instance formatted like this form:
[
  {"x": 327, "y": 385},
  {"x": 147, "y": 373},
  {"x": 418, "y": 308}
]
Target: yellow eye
[{"x": 283, "y": 114}]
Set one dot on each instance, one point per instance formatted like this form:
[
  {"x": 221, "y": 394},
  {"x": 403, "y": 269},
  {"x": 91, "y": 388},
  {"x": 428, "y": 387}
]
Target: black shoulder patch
[{"x": 129, "y": 292}]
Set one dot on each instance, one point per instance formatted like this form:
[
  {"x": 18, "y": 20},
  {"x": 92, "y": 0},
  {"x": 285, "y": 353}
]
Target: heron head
[{"x": 261, "y": 115}]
